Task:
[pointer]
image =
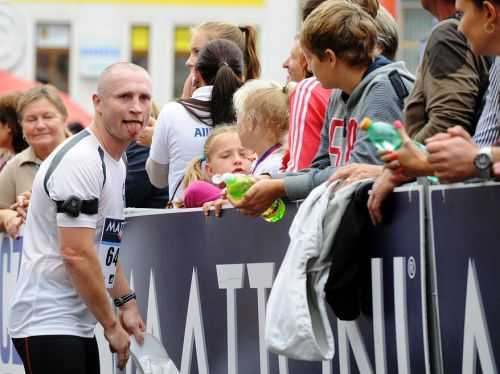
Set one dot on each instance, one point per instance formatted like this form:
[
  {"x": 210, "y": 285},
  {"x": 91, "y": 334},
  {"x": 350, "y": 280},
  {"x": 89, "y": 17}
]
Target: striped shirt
[
  {"x": 308, "y": 104},
  {"x": 488, "y": 128}
]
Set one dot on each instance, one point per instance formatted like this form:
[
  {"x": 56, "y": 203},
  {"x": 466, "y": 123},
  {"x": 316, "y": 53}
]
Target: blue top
[{"x": 139, "y": 192}]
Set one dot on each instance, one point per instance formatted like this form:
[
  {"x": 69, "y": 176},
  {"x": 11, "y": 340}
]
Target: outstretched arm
[{"x": 80, "y": 258}]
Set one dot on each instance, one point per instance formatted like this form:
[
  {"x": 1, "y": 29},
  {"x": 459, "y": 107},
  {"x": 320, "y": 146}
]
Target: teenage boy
[{"x": 339, "y": 40}]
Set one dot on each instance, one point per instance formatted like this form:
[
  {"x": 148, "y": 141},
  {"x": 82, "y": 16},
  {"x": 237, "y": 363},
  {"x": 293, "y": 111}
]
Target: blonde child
[
  {"x": 262, "y": 121},
  {"x": 262, "y": 109},
  {"x": 222, "y": 153}
]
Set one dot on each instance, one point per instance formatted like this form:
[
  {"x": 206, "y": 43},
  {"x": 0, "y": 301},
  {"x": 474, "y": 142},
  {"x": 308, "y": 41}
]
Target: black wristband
[{"x": 124, "y": 299}]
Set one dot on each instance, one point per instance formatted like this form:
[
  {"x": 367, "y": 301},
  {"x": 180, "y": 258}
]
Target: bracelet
[{"x": 120, "y": 301}]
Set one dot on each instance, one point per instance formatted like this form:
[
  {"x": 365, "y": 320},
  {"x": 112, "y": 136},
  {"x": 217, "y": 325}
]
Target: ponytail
[
  {"x": 220, "y": 64},
  {"x": 250, "y": 53},
  {"x": 193, "y": 172},
  {"x": 225, "y": 85}
]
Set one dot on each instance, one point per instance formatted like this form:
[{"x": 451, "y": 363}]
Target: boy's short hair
[
  {"x": 387, "y": 33},
  {"x": 343, "y": 27},
  {"x": 370, "y": 6}
]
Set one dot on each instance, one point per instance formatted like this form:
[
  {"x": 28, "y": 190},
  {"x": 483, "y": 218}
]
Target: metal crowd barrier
[{"x": 202, "y": 284}]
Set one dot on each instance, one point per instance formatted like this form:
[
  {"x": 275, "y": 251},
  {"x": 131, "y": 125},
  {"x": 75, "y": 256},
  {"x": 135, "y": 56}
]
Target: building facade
[{"x": 68, "y": 42}]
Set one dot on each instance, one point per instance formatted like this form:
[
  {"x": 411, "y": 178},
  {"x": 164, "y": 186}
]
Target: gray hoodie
[{"x": 341, "y": 141}]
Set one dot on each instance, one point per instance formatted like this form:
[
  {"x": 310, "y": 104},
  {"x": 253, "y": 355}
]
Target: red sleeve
[{"x": 307, "y": 112}]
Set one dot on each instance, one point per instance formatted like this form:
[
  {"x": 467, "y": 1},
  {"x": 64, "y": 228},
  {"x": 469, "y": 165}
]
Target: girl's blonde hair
[
  {"x": 194, "y": 170},
  {"x": 245, "y": 38},
  {"x": 267, "y": 103}
]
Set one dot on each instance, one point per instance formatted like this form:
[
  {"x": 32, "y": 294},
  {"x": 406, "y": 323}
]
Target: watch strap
[
  {"x": 124, "y": 299},
  {"x": 481, "y": 162}
]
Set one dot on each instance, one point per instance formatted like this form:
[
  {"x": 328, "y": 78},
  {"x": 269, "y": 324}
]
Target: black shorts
[{"x": 58, "y": 354}]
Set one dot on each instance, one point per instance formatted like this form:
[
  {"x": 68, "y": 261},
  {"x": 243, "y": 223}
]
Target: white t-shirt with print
[
  {"x": 45, "y": 302},
  {"x": 178, "y": 138}
]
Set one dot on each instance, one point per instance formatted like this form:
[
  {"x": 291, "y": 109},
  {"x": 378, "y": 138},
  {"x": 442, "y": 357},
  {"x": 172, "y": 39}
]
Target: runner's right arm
[{"x": 80, "y": 258}]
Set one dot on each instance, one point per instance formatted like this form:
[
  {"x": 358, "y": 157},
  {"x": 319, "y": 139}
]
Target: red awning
[{"x": 9, "y": 82}]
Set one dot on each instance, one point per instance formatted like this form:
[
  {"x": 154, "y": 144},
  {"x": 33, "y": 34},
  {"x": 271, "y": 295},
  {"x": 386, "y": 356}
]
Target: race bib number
[{"x": 109, "y": 248}]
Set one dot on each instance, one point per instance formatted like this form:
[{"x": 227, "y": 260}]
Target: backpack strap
[
  {"x": 170, "y": 202},
  {"x": 398, "y": 86},
  {"x": 73, "y": 205}
]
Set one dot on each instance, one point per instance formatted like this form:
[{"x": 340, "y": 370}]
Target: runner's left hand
[{"x": 132, "y": 321}]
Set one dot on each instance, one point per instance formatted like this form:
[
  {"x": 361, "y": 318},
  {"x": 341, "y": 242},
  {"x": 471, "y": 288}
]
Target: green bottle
[
  {"x": 238, "y": 184},
  {"x": 385, "y": 137},
  {"x": 382, "y": 135}
]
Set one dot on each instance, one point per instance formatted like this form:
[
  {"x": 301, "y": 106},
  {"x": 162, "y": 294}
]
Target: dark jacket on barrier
[{"x": 347, "y": 289}]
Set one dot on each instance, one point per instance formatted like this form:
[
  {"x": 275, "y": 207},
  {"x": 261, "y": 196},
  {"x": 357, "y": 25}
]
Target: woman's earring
[{"x": 489, "y": 28}]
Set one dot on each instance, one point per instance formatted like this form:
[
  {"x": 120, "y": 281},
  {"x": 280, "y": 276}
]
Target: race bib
[{"x": 109, "y": 248}]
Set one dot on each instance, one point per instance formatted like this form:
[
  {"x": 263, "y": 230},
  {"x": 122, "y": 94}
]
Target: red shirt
[{"x": 308, "y": 104}]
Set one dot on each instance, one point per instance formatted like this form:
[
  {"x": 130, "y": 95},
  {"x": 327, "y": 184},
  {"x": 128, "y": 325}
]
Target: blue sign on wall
[{"x": 467, "y": 261}]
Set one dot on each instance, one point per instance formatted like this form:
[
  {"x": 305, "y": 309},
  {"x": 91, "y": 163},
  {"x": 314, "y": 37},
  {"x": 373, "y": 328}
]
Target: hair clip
[{"x": 223, "y": 63}]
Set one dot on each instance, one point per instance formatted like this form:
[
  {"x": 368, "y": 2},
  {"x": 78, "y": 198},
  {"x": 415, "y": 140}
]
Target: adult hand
[
  {"x": 145, "y": 137},
  {"x": 119, "y": 343},
  {"x": 13, "y": 225},
  {"x": 452, "y": 158},
  {"x": 408, "y": 159},
  {"x": 21, "y": 205},
  {"x": 383, "y": 186},
  {"x": 355, "y": 172},
  {"x": 216, "y": 205},
  {"x": 496, "y": 169},
  {"x": 260, "y": 196},
  {"x": 132, "y": 321}
]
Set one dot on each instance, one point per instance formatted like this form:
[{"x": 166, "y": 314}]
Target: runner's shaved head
[{"x": 108, "y": 74}]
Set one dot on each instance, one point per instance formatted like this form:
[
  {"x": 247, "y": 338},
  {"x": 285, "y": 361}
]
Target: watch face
[{"x": 482, "y": 161}]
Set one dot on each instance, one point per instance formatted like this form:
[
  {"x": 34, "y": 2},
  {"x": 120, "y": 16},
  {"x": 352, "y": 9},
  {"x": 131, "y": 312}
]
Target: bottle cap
[
  {"x": 365, "y": 123},
  {"x": 222, "y": 178},
  {"x": 398, "y": 124}
]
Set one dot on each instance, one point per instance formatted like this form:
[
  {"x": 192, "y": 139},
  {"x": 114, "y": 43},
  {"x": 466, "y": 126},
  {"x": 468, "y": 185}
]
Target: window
[
  {"x": 52, "y": 54},
  {"x": 182, "y": 42},
  {"x": 140, "y": 46},
  {"x": 416, "y": 24}
]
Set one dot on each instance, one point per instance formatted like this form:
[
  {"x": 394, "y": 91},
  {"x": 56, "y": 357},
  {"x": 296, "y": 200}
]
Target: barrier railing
[{"x": 202, "y": 284}]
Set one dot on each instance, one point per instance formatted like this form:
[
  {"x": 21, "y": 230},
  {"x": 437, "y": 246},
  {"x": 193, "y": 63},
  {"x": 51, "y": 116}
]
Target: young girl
[
  {"x": 262, "y": 109},
  {"x": 262, "y": 122},
  {"x": 183, "y": 126},
  {"x": 222, "y": 153}
]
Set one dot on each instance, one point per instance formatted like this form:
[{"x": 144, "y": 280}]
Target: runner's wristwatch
[
  {"x": 483, "y": 162},
  {"x": 124, "y": 299}
]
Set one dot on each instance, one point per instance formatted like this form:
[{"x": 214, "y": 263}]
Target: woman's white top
[{"x": 178, "y": 138}]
